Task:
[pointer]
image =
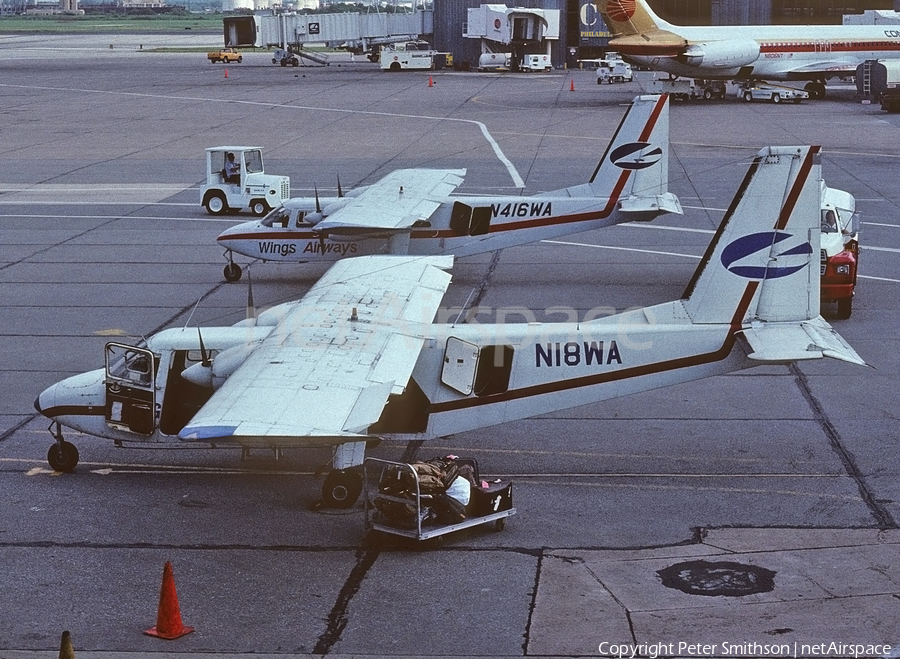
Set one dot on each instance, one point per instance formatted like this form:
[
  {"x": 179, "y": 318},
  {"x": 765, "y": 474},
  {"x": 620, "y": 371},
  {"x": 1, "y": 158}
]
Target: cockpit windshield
[{"x": 278, "y": 217}]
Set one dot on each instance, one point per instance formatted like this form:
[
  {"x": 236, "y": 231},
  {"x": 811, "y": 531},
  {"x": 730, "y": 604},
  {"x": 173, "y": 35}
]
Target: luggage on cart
[{"x": 411, "y": 500}]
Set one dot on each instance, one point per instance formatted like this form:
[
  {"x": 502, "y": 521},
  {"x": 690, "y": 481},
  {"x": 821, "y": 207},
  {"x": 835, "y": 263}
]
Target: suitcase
[{"x": 497, "y": 497}]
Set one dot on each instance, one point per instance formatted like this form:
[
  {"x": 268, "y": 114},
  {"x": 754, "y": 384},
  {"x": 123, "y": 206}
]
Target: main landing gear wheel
[
  {"x": 63, "y": 456},
  {"x": 342, "y": 488},
  {"x": 232, "y": 272}
]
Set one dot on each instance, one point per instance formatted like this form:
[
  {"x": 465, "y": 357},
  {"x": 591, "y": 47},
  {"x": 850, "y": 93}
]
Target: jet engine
[{"x": 721, "y": 54}]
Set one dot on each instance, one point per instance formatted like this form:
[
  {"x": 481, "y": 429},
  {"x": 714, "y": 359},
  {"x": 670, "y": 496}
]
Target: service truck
[
  {"x": 236, "y": 180},
  {"x": 224, "y": 55},
  {"x": 414, "y": 56},
  {"x": 839, "y": 255}
]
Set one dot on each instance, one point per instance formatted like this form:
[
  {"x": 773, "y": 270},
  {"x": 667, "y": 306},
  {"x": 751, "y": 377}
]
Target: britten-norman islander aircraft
[
  {"x": 358, "y": 357},
  {"x": 737, "y": 52},
  {"x": 410, "y": 211}
]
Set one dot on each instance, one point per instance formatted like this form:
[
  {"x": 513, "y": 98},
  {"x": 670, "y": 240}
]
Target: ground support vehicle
[
  {"x": 686, "y": 89},
  {"x": 756, "y": 91},
  {"x": 224, "y": 55},
  {"x": 613, "y": 71},
  {"x": 488, "y": 505},
  {"x": 250, "y": 189},
  {"x": 285, "y": 57},
  {"x": 414, "y": 56},
  {"x": 839, "y": 256}
]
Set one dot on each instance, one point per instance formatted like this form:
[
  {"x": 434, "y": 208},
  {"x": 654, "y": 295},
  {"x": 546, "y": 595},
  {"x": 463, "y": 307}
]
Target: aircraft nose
[{"x": 45, "y": 400}]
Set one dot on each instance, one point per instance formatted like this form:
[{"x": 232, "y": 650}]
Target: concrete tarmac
[{"x": 746, "y": 515}]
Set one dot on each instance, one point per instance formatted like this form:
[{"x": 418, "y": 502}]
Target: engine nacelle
[
  {"x": 223, "y": 365},
  {"x": 721, "y": 54}
]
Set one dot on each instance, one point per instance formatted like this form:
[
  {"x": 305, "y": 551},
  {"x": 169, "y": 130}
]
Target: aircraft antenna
[
  {"x": 191, "y": 315},
  {"x": 464, "y": 307}
]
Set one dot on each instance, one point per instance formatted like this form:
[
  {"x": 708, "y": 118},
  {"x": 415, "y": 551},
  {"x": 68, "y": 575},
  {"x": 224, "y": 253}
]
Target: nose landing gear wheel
[
  {"x": 232, "y": 272},
  {"x": 63, "y": 456},
  {"x": 342, "y": 488}
]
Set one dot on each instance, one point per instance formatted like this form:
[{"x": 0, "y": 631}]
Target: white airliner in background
[
  {"x": 411, "y": 211},
  {"x": 359, "y": 358},
  {"x": 759, "y": 52}
]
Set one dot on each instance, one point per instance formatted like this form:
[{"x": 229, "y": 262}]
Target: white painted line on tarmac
[
  {"x": 622, "y": 249},
  {"x": 514, "y": 174},
  {"x": 127, "y": 217}
]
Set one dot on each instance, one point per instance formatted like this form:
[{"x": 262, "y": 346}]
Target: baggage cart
[{"x": 410, "y": 518}]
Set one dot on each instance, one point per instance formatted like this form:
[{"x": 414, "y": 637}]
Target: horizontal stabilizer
[
  {"x": 656, "y": 204},
  {"x": 787, "y": 342}
]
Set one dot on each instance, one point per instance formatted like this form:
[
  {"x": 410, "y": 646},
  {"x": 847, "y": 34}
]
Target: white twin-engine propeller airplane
[
  {"x": 759, "y": 52},
  {"x": 358, "y": 358},
  {"x": 410, "y": 211}
]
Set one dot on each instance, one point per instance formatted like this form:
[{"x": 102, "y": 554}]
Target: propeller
[
  {"x": 339, "y": 190},
  {"x": 204, "y": 356},
  {"x": 251, "y": 308}
]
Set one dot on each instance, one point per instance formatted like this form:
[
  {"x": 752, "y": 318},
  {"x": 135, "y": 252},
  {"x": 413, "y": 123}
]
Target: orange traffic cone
[
  {"x": 226, "y": 73},
  {"x": 572, "y": 85},
  {"x": 65, "y": 647},
  {"x": 430, "y": 82},
  {"x": 168, "y": 618}
]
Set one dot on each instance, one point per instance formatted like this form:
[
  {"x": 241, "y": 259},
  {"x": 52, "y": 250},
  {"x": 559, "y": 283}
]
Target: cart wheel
[{"x": 500, "y": 524}]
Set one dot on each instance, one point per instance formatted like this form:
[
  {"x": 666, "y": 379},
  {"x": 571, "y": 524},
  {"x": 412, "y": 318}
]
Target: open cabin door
[{"x": 130, "y": 388}]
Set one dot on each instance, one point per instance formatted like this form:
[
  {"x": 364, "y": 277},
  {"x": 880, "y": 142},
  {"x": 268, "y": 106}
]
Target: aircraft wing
[
  {"x": 396, "y": 202},
  {"x": 322, "y": 375}
]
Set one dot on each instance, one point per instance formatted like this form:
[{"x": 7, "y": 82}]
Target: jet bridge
[
  {"x": 355, "y": 32},
  {"x": 519, "y": 31}
]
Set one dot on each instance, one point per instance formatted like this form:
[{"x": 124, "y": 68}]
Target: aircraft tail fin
[
  {"x": 761, "y": 270},
  {"x": 635, "y": 167},
  {"x": 629, "y": 17}
]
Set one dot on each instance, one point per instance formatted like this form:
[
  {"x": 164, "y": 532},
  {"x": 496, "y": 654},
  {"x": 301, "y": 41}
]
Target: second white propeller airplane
[
  {"x": 359, "y": 358},
  {"x": 410, "y": 211}
]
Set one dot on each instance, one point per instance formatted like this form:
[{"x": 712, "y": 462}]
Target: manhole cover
[{"x": 719, "y": 578}]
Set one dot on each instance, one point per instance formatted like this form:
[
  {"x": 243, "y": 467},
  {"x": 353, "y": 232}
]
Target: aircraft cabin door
[{"x": 130, "y": 388}]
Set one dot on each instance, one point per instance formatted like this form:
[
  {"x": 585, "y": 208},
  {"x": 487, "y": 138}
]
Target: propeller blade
[
  {"x": 204, "y": 356},
  {"x": 318, "y": 205},
  {"x": 251, "y": 309},
  {"x": 340, "y": 192}
]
